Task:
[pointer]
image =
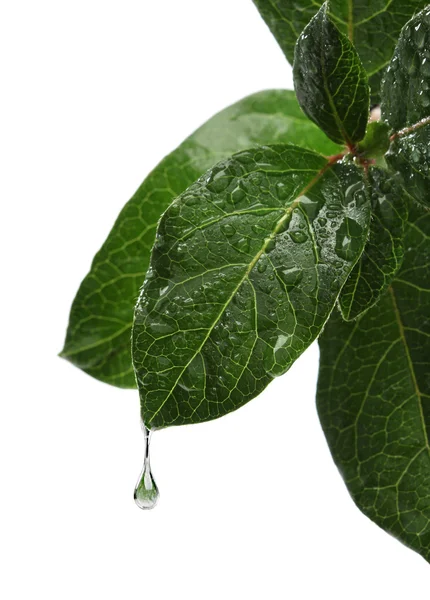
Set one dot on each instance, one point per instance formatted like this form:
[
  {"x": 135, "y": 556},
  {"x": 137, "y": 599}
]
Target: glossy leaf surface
[
  {"x": 406, "y": 107},
  {"x": 99, "y": 332},
  {"x": 373, "y": 27},
  {"x": 245, "y": 270},
  {"x": 383, "y": 252},
  {"x": 374, "y": 398},
  {"x": 330, "y": 81}
]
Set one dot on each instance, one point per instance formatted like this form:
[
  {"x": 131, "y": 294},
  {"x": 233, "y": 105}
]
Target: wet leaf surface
[
  {"x": 373, "y": 27},
  {"x": 330, "y": 81},
  {"x": 246, "y": 268},
  {"x": 99, "y": 333},
  {"x": 406, "y": 107},
  {"x": 383, "y": 253}
]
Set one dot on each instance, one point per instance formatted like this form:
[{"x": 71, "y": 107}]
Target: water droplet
[
  {"x": 298, "y": 236},
  {"x": 242, "y": 245},
  {"x": 237, "y": 195},
  {"x": 322, "y": 221},
  {"x": 146, "y": 491},
  {"x": 420, "y": 36},
  {"x": 292, "y": 276},
  {"x": 190, "y": 200},
  {"x": 424, "y": 100},
  {"x": 386, "y": 186},
  {"x": 425, "y": 67},
  {"x": 219, "y": 180},
  {"x": 348, "y": 239},
  {"x": 311, "y": 207},
  {"x": 360, "y": 198},
  {"x": 282, "y": 191},
  {"x": 332, "y": 215},
  {"x": 270, "y": 245},
  {"x": 257, "y": 228},
  {"x": 245, "y": 157},
  {"x": 262, "y": 264},
  {"x": 228, "y": 229}
]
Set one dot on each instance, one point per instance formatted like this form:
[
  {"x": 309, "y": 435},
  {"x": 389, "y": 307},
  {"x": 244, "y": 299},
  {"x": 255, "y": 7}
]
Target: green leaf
[
  {"x": 406, "y": 107},
  {"x": 383, "y": 253},
  {"x": 330, "y": 81},
  {"x": 372, "y": 26},
  {"x": 374, "y": 398},
  {"x": 376, "y": 141},
  {"x": 99, "y": 332},
  {"x": 245, "y": 270}
]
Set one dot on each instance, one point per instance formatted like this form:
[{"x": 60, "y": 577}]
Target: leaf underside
[
  {"x": 99, "y": 332},
  {"x": 383, "y": 252},
  {"x": 374, "y": 398},
  {"x": 373, "y": 27},
  {"x": 330, "y": 81},
  {"x": 245, "y": 270}
]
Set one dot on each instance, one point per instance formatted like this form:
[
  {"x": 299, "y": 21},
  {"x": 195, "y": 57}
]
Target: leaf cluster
[{"x": 250, "y": 247}]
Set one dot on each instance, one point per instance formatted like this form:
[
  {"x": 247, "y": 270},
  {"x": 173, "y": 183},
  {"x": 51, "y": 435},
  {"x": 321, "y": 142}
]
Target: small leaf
[
  {"x": 373, "y": 27},
  {"x": 406, "y": 107},
  {"x": 246, "y": 268},
  {"x": 374, "y": 398},
  {"x": 330, "y": 81},
  {"x": 383, "y": 253},
  {"x": 376, "y": 141},
  {"x": 99, "y": 332}
]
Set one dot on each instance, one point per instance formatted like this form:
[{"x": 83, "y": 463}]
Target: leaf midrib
[{"x": 252, "y": 264}]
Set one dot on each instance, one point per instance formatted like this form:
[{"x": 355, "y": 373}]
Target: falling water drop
[{"x": 146, "y": 491}]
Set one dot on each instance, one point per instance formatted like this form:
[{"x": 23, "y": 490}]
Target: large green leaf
[
  {"x": 99, "y": 332},
  {"x": 406, "y": 107},
  {"x": 374, "y": 398},
  {"x": 383, "y": 252},
  {"x": 330, "y": 81},
  {"x": 372, "y": 25},
  {"x": 245, "y": 270}
]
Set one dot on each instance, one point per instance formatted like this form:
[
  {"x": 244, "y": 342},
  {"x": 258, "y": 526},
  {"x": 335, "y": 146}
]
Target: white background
[{"x": 93, "y": 95}]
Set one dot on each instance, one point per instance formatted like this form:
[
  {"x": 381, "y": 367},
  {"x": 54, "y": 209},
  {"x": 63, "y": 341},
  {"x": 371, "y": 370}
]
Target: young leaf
[
  {"x": 374, "y": 398},
  {"x": 99, "y": 332},
  {"x": 406, "y": 107},
  {"x": 376, "y": 141},
  {"x": 383, "y": 252},
  {"x": 245, "y": 270},
  {"x": 330, "y": 81}
]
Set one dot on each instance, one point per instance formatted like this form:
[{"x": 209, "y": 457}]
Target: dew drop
[
  {"x": 245, "y": 157},
  {"x": 228, "y": 230},
  {"x": 219, "y": 181},
  {"x": 311, "y": 207},
  {"x": 242, "y": 245},
  {"x": 424, "y": 100},
  {"x": 348, "y": 239},
  {"x": 237, "y": 195},
  {"x": 292, "y": 276},
  {"x": 262, "y": 264},
  {"x": 420, "y": 36},
  {"x": 270, "y": 245},
  {"x": 322, "y": 221},
  {"x": 386, "y": 186},
  {"x": 282, "y": 191},
  {"x": 146, "y": 491},
  {"x": 298, "y": 236}
]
